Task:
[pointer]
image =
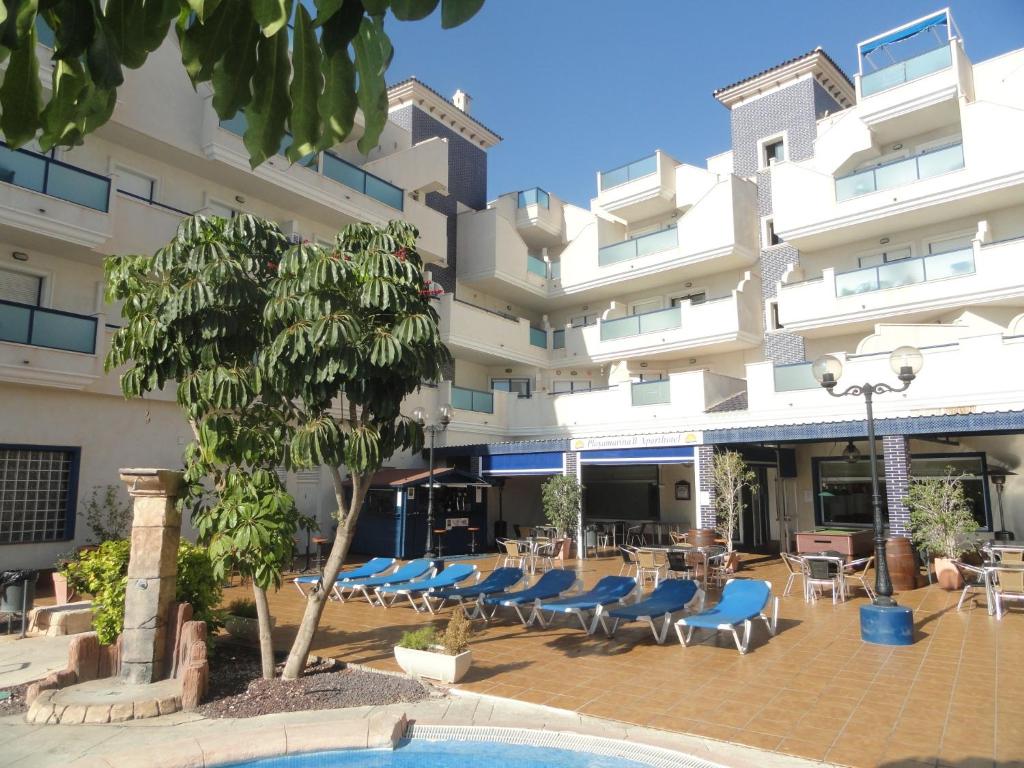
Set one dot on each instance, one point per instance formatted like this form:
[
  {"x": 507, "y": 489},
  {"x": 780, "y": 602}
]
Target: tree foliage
[
  {"x": 562, "y": 498},
  {"x": 292, "y": 67},
  {"x": 731, "y": 475},
  {"x": 941, "y": 520}
]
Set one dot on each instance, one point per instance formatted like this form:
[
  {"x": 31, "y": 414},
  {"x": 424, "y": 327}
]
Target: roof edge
[{"x": 418, "y": 93}]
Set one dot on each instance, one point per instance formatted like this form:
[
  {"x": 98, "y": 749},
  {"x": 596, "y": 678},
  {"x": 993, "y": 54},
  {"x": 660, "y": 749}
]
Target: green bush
[
  {"x": 419, "y": 639},
  {"x": 103, "y": 573},
  {"x": 244, "y": 609}
]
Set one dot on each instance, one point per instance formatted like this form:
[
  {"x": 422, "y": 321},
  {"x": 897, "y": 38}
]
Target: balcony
[
  {"x": 46, "y": 196},
  {"x": 143, "y": 226},
  {"x": 476, "y": 400},
  {"x": 650, "y": 392},
  {"x": 904, "y": 71},
  {"x": 539, "y": 218},
  {"x": 639, "y": 190},
  {"x": 46, "y": 346},
  {"x": 794, "y": 376},
  {"x": 494, "y": 258},
  {"x": 898, "y": 173},
  {"x": 913, "y": 290},
  {"x": 489, "y": 337},
  {"x": 638, "y": 247},
  {"x": 721, "y": 325}
]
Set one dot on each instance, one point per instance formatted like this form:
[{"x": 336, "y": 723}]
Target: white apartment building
[{"x": 623, "y": 342}]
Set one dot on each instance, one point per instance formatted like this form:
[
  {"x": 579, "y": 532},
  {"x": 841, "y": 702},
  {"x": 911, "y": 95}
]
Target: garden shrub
[{"x": 103, "y": 573}]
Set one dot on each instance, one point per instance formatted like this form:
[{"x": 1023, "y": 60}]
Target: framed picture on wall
[
  {"x": 411, "y": 493},
  {"x": 683, "y": 490}
]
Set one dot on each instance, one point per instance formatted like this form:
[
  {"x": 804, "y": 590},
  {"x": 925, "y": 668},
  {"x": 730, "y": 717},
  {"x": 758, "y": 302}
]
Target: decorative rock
[
  {"x": 58, "y": 712},
  {"x": 73, "y": 714},
  {"x": 168, "y": 705},
  {"x": 83, "y": 656},
  {"x": 33, "y": 691},
  {"x": 121, "y": 712},
  {"x": 39, "y": 712},
  {"x": 98, "y": 713},
  {"x": 144, "y": 709},
  {"x": 182, "y": 614}
]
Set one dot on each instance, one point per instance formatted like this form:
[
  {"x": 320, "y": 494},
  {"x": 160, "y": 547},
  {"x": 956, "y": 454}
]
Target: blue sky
[{"x": 576, "y": 86}]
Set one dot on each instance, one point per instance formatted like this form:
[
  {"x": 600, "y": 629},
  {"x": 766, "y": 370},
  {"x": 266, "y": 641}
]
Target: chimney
[{"x": 462, "y": 100}]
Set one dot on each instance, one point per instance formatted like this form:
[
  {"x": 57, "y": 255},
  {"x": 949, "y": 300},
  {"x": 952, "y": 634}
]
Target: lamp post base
[
  {"x": 1003, "y": 535},
  {"x": 886, "y": 625}
]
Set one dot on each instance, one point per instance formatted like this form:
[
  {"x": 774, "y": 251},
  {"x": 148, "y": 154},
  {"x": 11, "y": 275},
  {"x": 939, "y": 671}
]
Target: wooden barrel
[
  {"x": 902, "y": 562},
  {"x": 701, "y": 537}
]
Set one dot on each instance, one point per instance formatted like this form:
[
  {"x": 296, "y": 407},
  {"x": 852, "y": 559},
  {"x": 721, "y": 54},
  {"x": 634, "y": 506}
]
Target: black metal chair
[{"x": 678, "y": 567}]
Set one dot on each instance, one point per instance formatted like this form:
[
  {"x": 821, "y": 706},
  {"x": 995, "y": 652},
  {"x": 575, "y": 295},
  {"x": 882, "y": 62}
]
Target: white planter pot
[
  {"x": 434, "y": 665},
  {"x": 245, "y": 629}
]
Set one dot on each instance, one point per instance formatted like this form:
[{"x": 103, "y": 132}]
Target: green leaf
[
  {"x": 232, "y": 75},
  {"x": 412, "y": 10},
  {"x": 307, "y": 82},
  {"x": 73, "y": 23},
  {"x": 60, "y": 116},
  {"x": 327, "y": 8},
  {"x": 456, "y": 12},
  {"x": 376, "y": 7},
  {"x": 337, "y": 103},
  {"x": 268, "y": 110},
  {"x": 373, "y": 54},
  {"x": 204, "y": 8},
  {"x": 339, "y": 27},
  {"x": 203, "y": 45},
  {"x": 271, "y": 15},
  {"x": 21, "y": 94},
  {"x": 21, "y": 21},
  {"x": 156, "y": 22},
  {"x": 103, "y": 58},
  {"x": 123, "y": 19}
]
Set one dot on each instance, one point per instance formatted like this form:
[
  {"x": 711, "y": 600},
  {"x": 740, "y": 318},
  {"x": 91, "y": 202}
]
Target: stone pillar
[
  {"x": 706, "y": 517},
  {"x": 152, "y": 572},
  {"x": 896, "y": 452},
  {"x": 571, "y": 467}
]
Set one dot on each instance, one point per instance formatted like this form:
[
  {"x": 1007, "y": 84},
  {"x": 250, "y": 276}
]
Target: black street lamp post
[
  {"x": 905, "y": 362},
  {"x": 444, "y": 417}
]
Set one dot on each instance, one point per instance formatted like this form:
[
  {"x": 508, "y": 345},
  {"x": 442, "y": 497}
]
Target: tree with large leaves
[
  {"x": 194, "y": 314},
  {"x": 354, "y": 335},
  {"x": 302, "y": 68}
]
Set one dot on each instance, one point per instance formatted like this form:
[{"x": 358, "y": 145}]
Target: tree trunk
[
  {"x": 266, "y": 641},
  {"x": 317, "y": 599}
]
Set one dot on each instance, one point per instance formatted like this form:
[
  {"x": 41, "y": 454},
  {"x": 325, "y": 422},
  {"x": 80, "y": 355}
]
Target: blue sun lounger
[
  {"x": 414, "y": 569},
  {"x": 609, "y": 590},
  {"x": 743, "y": 600},
  {"x": 498, "y": 580},
  {"x": 425, "y": 588},
  {"x": 549, "y": 586},
  {"x": 671, "y": 596},
  {"x": 370, "y": 568}
]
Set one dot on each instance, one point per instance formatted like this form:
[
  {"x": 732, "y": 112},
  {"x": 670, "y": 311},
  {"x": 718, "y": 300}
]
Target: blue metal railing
[
  {"x": 651, "y": 392},
  {"x": 899, "y": 172},
  {"x": 52, "y": 328},
  {"x": 535, "y": 196},
  {"x": 905, "y": 71},
  {"x": 625, "y": 173},
  {"x": 472, "y": 400},
  {"x": 895, "y": 274},
  {"x": 794, "y": 376},
  {"x": 648, "y": 322},
  {"x": 39, "y": 173},
  {"x": 638, "y": 247},
  {"x": 334, "y": 168}
]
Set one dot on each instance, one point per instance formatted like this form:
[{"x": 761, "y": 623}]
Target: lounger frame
[
  {"x": 410, "y": 590},
  {"x": 371, "y": 597},
  {"x": 583, "y": 614},
  {"x": 518, "y": 606},
  {"x": 696, "y": 605},
  {"x": 742, "y": 644}
]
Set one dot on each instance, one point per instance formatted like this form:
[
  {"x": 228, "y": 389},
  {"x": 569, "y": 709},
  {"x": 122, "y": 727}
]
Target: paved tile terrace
[{"x": 954, "y": 698}]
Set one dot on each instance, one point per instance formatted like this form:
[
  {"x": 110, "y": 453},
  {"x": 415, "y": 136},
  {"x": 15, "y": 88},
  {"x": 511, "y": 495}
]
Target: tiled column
[
  {"x": 152, "y": 571},
  {"x": 896, "y": 451},
  {"x": 706, "y": 517},
  {"x": 571, "y": 467}
]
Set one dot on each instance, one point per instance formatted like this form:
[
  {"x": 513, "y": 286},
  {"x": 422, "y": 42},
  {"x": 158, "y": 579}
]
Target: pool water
[{"x": 447, "y": 754}]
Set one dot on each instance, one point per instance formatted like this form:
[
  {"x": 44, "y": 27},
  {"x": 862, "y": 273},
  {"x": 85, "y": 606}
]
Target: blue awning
[
  {"x": 904, "y": 33},
  {"x": 682, "y": 454},
  {"x": 511, "y": 464}
]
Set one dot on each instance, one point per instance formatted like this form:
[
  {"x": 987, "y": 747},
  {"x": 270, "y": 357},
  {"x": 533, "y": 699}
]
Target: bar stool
[
  {"x": 439, "y": 535},
  {"x": 472, "y": 540},
  {"x": 319, "y": 541}
]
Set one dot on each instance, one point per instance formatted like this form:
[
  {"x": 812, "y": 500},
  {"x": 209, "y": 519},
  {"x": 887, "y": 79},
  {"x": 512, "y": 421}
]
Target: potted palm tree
[
  {"x": 941, "y": 522},
  {"x": 441, "y": 656},
  {"x": 731, "y": 475},
  {"x": 241, "y": 621},
  {"x": 562, "y": 497}
]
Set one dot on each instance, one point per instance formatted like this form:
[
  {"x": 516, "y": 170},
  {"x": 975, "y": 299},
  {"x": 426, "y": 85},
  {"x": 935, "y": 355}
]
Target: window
[
  {"x": 640, "y": 378},
  {"x": 647, "y": 305},
  {"x": 896, "y": 254},
  {"x": 37, "y": 492},
  {"x": 219, "y": 209},
  {"x": 580, "y": 321},
  {"x": 773, "y": 151},
  {"x": 951, "y": 244},
  {"x": 773, "y": 308},
  {"x": 690, "y": 298},
  {"x": 558, "y": 339},
  {"x": 135, "y": 184},
  {"x": 770, "y": 238},
  {"x": 20, "y": 287},
  {"x": 561, "y": 387},
  {"x": 520, "y": 386}
]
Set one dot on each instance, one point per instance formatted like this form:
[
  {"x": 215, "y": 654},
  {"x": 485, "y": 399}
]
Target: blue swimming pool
[{"x": 448, "y": 754}]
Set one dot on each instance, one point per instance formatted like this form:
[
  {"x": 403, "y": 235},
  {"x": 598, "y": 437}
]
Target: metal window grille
[{"x": 34, "y": 494}]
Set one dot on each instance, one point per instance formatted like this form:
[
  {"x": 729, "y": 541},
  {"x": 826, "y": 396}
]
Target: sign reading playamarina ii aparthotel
[{"x": 664, "y": 439}]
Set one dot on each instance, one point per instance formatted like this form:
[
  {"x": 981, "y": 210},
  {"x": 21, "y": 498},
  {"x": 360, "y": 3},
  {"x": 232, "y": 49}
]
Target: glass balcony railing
[
  {"x": 26, "y": 324},
  {"x": 538, "y": 337},
  {"x": 634, "y": 325},
  {"x": 625, "y": 173},
  {"x": 899, "y": 172},
  {"x": 651, "y": 392},
  {"x": 54, "y": 178},
  {"x": 794, "y": 376},
  {"x": 555, "y": 270},
  {"x": 905, "y": 71},
  {"x": 472, "y": 400},
  {"x": 334, "y": 168},
  {"x": 536, "y": 266},
  {"x": 558, "y": 339},
  {"x": 895, "y": 274},
  {"x": 638, "y": 247},
  {"x": 535, "y": 196}
]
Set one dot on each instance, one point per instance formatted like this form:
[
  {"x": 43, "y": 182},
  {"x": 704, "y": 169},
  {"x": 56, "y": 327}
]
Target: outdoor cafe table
[{"x": 990, "y": 569}]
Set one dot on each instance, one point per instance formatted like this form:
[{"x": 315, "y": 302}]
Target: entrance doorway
[{"x": 756, "y": 521}]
